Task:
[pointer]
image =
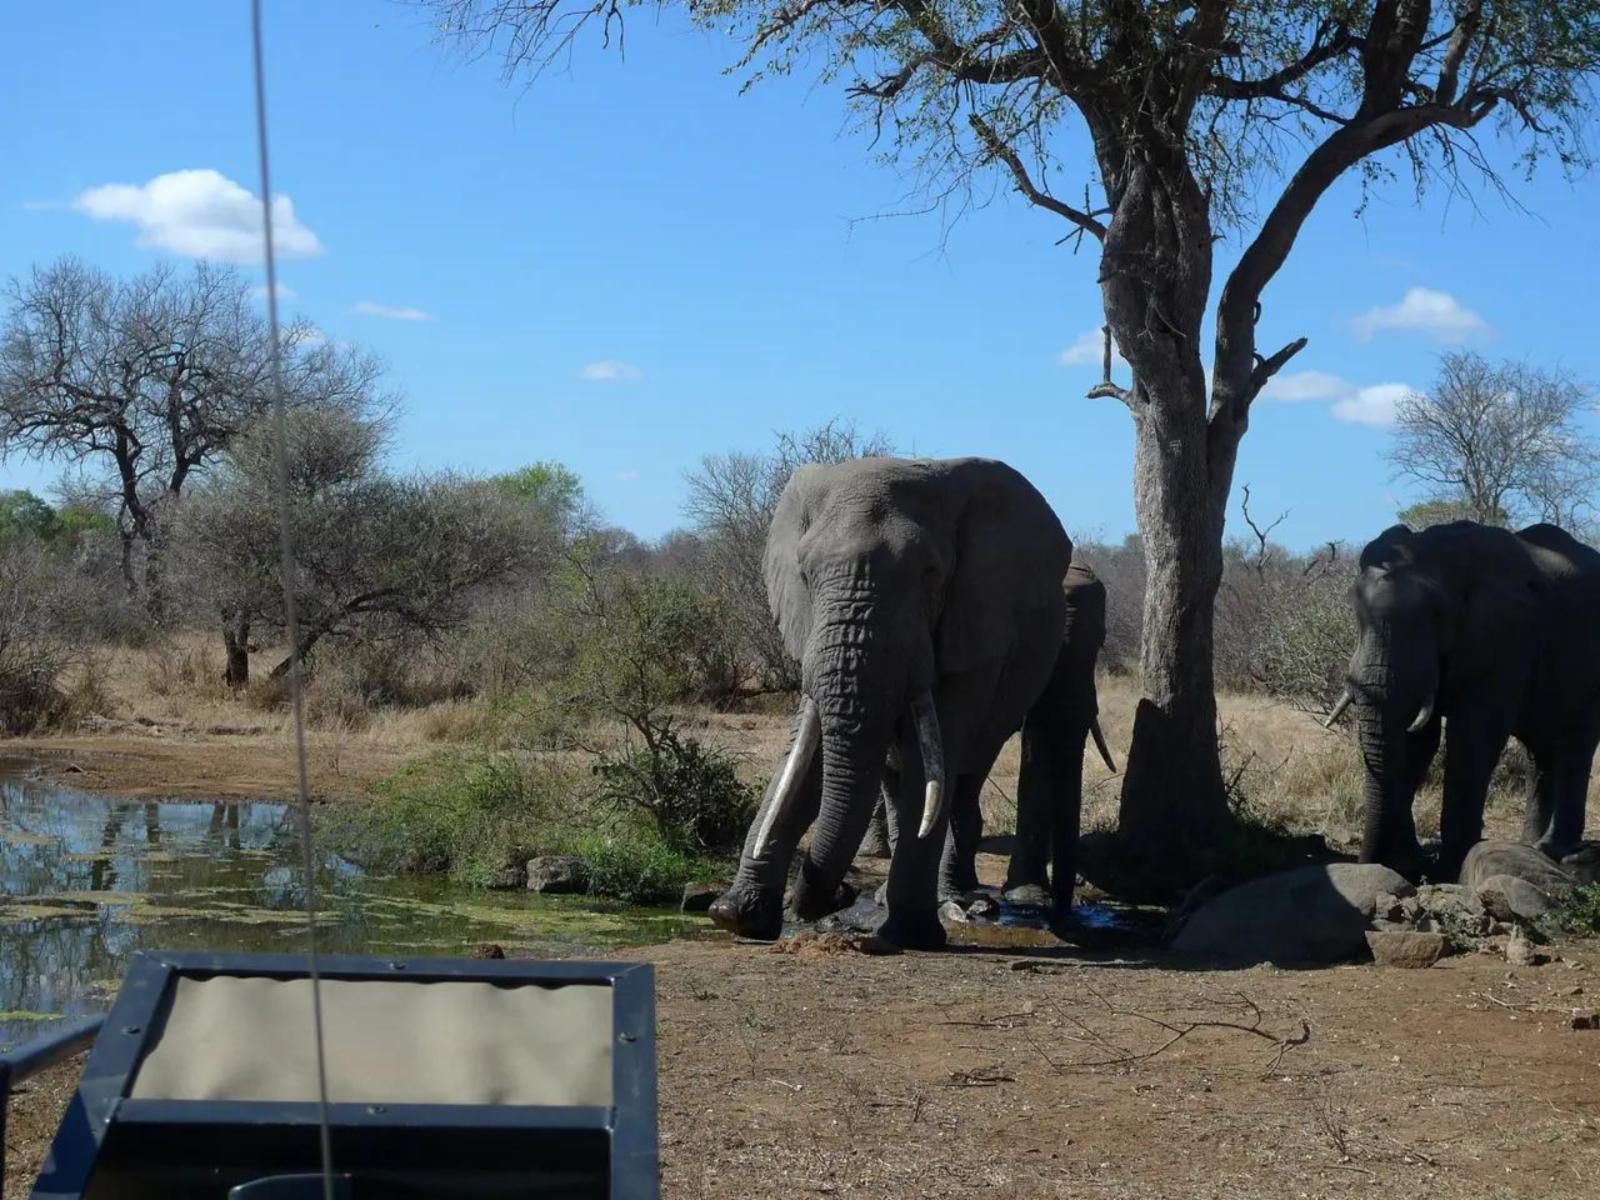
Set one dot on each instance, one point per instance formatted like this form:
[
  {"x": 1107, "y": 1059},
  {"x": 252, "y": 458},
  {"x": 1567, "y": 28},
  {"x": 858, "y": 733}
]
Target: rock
[
  {"x": 1490, "y": 858},
  {"x": 508, "y": 878},
  {"x": 1584, "y": 1021},
  {"x": 1314, "y": 914},
  {"x": 1407, "y": 949},
  {"x": 557, "y": 874},
  {"x": 1028, "y": 895},
  {"x": 983, "y": 908},
  {"x": 1507, "y": 898},
  {"x": 1520, "y": 951},
  {"x": 952, "y": 913}
]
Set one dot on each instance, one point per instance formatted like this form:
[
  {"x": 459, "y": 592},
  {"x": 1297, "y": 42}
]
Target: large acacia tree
[{"x": 1202, "y": 119}]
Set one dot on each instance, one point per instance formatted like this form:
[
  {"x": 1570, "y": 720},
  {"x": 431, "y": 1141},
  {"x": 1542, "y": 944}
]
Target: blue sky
[{"x": 629, "y": 264}]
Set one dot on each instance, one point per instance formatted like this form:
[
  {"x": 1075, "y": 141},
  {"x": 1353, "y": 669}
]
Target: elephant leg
[
  {"x": 1544, "y": 784},
  {"x": 912, "y": 922},
  {"x": 877, "y": 844},
  {"x": 1563, "y": 833},
  {"x": 1471, "y": 751},
  {"x": 958, "y": 867},
  {"x": 753, "y": 904},
  {"x": 1035, "y": 813}
]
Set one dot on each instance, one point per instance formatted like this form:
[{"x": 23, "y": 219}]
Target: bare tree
[
  {"x": 731, "y": 501},
  {"x": 1499, "y": 442},
  {"x": 142, "y": 383},
  {"x": 1203, "y": 118}
]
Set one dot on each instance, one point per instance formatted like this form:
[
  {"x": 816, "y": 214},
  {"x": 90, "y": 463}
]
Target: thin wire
[{"x": 286, "y": 535}]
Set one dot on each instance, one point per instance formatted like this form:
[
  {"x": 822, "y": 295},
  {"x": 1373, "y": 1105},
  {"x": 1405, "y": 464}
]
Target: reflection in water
[{"x": 85, "y": 880}]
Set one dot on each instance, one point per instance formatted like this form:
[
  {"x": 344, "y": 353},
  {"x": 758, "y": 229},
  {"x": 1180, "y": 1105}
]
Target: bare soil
[
  {"x": 196, "y": 765},
  {"x": 808, "y": 1068}
]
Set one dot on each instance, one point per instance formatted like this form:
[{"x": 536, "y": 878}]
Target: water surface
[{"x": 85, "y": 880}]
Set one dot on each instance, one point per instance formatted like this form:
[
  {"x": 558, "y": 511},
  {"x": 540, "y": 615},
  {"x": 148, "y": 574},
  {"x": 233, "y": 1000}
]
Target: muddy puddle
[{"x": 85, "y": 880}]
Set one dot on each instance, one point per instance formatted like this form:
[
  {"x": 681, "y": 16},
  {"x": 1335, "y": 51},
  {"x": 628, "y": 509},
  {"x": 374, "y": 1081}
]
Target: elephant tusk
[
  {"x": 808, "y": 734},
  {"x": 1100, "y": 745},
  {"x": 1345, "y": 699},
  {"x": 1425, "y": 717},
  {"x": 932, "y": 746}
]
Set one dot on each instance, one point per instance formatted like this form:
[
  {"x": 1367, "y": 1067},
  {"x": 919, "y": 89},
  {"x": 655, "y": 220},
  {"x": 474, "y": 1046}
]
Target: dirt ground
[
  {"x": 197, "y": 765},
  {"x": 811, "y": 1069},
  {"x": 1034, "y": 1071}
]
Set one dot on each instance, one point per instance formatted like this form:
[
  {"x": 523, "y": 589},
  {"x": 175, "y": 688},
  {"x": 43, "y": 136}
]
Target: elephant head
[
  {"x": 1443, "y": 618},
  {"x": 884, "y": 575}
]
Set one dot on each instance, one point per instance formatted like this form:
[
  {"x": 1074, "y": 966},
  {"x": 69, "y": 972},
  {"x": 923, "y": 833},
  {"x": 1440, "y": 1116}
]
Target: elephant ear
[
  {"x": 1500, "y": 614},
  {"x": 787, "y": 594},
  {"x": 1010, "y": 556}
]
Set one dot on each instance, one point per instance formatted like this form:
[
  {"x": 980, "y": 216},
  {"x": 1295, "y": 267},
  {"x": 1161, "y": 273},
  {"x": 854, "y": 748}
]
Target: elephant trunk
[
  {"x": 856, "y": 679},
  {"x": 1383, "y": 757}
]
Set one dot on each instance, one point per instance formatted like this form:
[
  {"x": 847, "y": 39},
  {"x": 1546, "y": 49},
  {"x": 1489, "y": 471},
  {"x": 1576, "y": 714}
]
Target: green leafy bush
[
  {"x": 1579, "y": 912},
  {"x": 471, "y": 815},
  {"x": 692, "y": 791},
  {"x": 636, "y": 866}
]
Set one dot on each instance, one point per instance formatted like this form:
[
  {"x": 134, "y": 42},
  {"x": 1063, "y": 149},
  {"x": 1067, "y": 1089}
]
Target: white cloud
[
  {"x": 41, "y": 205},
  {"x": 608, "y": 371},
  {"x": 1298, "y": 387},
  {"x": 1090, "y": 350},
  {"x": 388, "y": 312},
  {"x": 1423, "y": 310},
  {"x": 285, "y": 292},
  {"x": 628, "y": 476},
  {"x": 1373, "y": 405},
  {"x": 201, "y": 214}
]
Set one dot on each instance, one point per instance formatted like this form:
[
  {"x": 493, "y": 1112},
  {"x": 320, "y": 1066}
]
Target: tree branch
[
  {"x": 1266, "y": 368},
  {"x": 998, "y": 149}
]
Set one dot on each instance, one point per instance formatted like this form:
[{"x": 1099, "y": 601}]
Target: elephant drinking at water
[
  {"x": 1495, "y": 634},
  {"x": 923, "y": 600}
]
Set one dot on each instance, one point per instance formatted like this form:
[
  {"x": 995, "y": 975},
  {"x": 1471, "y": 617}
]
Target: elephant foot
[
  {"x": 919, "y": 930},
  {"x": 810, "y": 901},
  {"x": 748, "y": 912}
]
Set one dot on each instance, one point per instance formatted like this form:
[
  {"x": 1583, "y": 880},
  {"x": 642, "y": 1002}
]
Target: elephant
[
  {"x": 1496, "y": 634},
  {"x": 1055, "y": 733},
  {"x": 923, "y": 600}
]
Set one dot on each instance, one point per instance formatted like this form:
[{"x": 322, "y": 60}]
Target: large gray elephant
[
  {"x": 1055, "y": 733},
  {"x": 1496, "y": 634},
  {"x": 923, "y": 600}
]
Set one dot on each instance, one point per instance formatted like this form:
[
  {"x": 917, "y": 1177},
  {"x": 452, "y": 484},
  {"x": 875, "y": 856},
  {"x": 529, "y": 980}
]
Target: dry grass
[{"x": 1285, "y": 767}]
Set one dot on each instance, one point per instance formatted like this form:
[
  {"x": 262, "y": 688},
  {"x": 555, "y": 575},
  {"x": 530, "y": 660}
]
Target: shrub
[
  {"x": 33, "y": 652},
  {"x": 691, "y": 791},
  {"x": 470, "y": 815},
  {"x": 1579, "y": 912},
  {"x": 635, "y": 866}
]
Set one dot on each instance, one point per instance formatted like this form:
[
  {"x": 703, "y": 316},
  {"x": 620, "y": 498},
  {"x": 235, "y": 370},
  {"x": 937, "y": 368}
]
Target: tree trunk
[
  {"x": 307, "y": 641},
  {"x": 1174, "y": 805},
  {"x": 1155, "y": 280},
  {"x": 155, "y": 555},
  {"x": 129, "y": 581},
  {"x": 236, "y": 647}
]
